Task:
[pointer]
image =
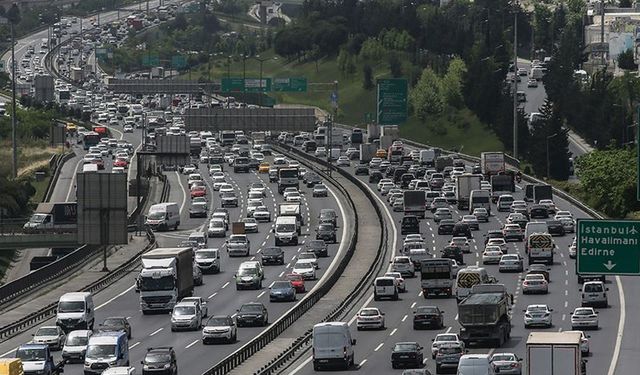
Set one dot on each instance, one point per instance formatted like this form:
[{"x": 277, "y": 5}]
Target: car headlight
[{"x": 167, "y": 365}]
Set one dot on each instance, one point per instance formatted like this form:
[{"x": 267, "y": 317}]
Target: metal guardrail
[
  {"x": 48, "y": 311},
  {"x": 236, "y": 358},
  {"x": 379, "y": 262},
  {"x": 57, "y": 168}
]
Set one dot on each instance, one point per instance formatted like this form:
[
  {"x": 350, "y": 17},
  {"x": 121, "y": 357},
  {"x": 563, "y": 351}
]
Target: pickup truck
[{"x": 37, "y": 359}]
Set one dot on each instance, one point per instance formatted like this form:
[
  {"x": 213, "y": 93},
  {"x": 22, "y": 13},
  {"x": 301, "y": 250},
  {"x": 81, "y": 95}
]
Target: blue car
[{"x": 282, "y": 291}]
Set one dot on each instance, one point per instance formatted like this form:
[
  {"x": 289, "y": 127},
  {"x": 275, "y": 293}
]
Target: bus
[{"x": 90, "y": 139}]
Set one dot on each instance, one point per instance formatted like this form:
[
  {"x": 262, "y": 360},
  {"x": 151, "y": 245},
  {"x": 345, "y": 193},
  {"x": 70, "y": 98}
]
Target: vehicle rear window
[
  {"x": 593, "y": 288},
  {"x": 328, "y": 339},
  {"x": 384, "y": 282}
]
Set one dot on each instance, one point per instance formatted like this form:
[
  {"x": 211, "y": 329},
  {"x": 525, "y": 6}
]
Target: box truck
[
  {"x": 59, "y": 217},
  {"x": 166, "y": 277},
  {"x": 554, "y": 353},
  {"x": 464, "y": 185},
  {"x": 492, "y": 163}
]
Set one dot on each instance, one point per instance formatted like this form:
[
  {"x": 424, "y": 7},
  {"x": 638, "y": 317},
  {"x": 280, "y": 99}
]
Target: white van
[
  {"x": 594, "y": 293},
  {"x": 480, "y": 199},
  {"x": 75, "y": 311},
  {"x": 163, "y": 216},
  {"x": 286, "y": 230},
  {"x": 332, "y": 345},
  {"x": 475, "y": 364},
  {"x": 467, "y": 278},
  {"x": 385, "y": 287},
  {"x": 75, "y": 345},
  {"x": 535, "y": 227},
  {"x": 120, "y": 371},
  {"x": 106, "y": 349},
  {"x": 504, "y": 202}
]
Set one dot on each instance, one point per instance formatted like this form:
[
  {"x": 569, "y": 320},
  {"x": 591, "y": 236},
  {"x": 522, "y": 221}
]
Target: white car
[
  {"x": 537, "y": 315},
  {"x": 584, "y": 317},
  {"x": 226, "y": 188},
  {"x": 261, "y": 213},
  {"x": 294, "y": 197},
  {"x": 306, "y": 268},
  {"x": 321, "y": 152},
  {"x": 442, "y": 214},
  {"x": 444, "y": 338},
  {"x": 462, "y": 243},
  {"x": 491, "y": 256},
  {"x": 560, "y": 214},
  {"x": 384, "y": 190},
  {"x": 384, "y": 181},
  {"x": 219, "y": 327},
  {"x": 535, "y": 283},
  {"x": 402, "y": 286},
  {"x": 510, "y": 262},
  {"x": 53, "y": 336},
  {"x": 260, "y": 187},
  {"x": 584, "y": 343},
  {"x": 568, "y": 224},
  {"x": 127, "y": 128},
  {"x": 500, "y": 242},
  {"x": 252, "y": 205},
  {"x": 310, "y": 255},
  {"x": 343, "y": 161},
  {"x": 370, "y": 317}
]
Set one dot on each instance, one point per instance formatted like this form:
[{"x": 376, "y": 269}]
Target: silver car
[
  {"x": 510, "y": 262},
  {"x": 506, "y": 363},
  {"x": 584, "y": 317},
  {"x": 535, "y": 283},
  {"x": 186, "y": 315},
  {"x": 537, "y": 315},
  {"x": 53, "y": 336},
  {"x": 441, "y": 214}
]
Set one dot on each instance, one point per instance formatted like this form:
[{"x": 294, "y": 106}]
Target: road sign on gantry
[
  {"x": 608, "y": 247},
  {"x": 391, "y": 101}
]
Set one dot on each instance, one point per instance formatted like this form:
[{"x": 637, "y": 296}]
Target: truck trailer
[
  {"x": 484, "y": 315},
  {"x": 414, "y": 202},
  {"x": 166, "y": 277},
  {"x": 367, "y": 152},
  {"x": 464, "y": 185},
  {"x": 554, "y": 353},
  {"x": 492, "y": 163}
]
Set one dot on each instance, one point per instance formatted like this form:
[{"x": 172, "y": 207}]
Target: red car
[
  {"x": 198, "y": 191},
  {"x": 120, "y": 163},
  {"x": 297, "y": 281}
]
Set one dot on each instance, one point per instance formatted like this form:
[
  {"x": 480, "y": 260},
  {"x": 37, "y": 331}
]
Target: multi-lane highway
[{"x": 373, "y": 351}]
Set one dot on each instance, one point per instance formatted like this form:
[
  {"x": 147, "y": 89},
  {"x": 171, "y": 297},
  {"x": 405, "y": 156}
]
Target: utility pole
[
  {"x": 515, "y": 81},
  {"x": 13, "y": 15}
]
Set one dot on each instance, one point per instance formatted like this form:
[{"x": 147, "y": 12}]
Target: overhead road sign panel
[
  {"x": 291, "y": 84},
  {"x": 392, "y": 101},
  {"x": 102, "y": 208},
  {"x": 235, "y": 84},
  {"x": 250, "y": 119},
  {"x": 157, "y": 86},
  {"x": 608, "y": 247}
]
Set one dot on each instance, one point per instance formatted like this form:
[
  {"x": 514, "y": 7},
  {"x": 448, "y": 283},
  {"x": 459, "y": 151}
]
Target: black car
[
  {"x": 228, "y": 199},
  {"x": 521, "y": 222},
  {"x": 326, "y": 232},
  {"x": 453, "y": 252},
  {"x": 555, "y": 228},
  {"x": 160, "y": 361},
  {"x": 493, "y": 233},
  {"x": 541, "y": 269},
  {"x": 272, "y": 255},
  {"x": 115, "y": 324},
  {"x": 309, "y": 146},
  {"x": 319, "y": 190},
  {"x": 409, "y": 225},
  {"x": 328, "y": 215},
  {"x": 311, "y": 179},
  {"x": 407, "y": 354},
  {"x": 375, "y": 177},
  {"x": 252, "y": 314},
  {"x": 446, "y": 226},
  {"x": 254, "y": 164},
  {"x": 405, "y": 179},
  {"x": 362, "y": 169},
  {"x": 319, "y": 247},
  {"x": 428, "y": 316},
  {"x": 462, "y": 230},
  {"x": 538, "y": 212}
]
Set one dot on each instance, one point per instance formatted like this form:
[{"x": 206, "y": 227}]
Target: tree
[
  {"x": 395, "y": 65},
  {"x": 180, "y": 22},
  {"x": 426, "y": 96},
  {"x": 452, "y": 83},
  {"x": 625, "y": 4},
  {"x": 625, "y": 60},
  {"x": 367, "y": 77},
  {"x": 549, "y": 135}
]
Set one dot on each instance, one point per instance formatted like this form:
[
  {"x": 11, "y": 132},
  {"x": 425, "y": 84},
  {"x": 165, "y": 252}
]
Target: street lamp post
[
  {"x": 229, "y": 66},
  {"x": 13, "y": 15},
  {"x": 515, "y": 81},
  {"x": 261, "y": 60},
  {"x": 244, "y": 78}
]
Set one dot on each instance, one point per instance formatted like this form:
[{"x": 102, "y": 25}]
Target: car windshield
[
  {"x": 281, "y": 285},
  {"x": 401, "y": 260},
  {"x": 251, "y": 308},
  {"x": 70, "y": 306},
  {"x": 447, "y": 338},
  {"x": 369, "y": 312},
  {"x": 502, "y": 357},
  {"x": 583, "y": 312},
  {"x": 205, "y": 254},
  {"x": 537, "y": 309},
  {"x": 293, "y": 277},
  {"x": 325, "y": 227},
  {"x": 47, "y": 331},
  {"x": 593, "y": 288},
  {"x": 157, "y": 358},
  {"x": 218, "y": 322},
  {"x": 237, "y": 239},
  {"x": 404, "y": 347},
  {"x": 30, "y": 355},
  {"x": 285, "y": 228},
  {"x": 303, "y": 265},
  {"x": 427, "y": 310},
  {"x": 113, "y": 322},
  {"x": 101, "y": 351},
  {"x": 77, "y": 340},
  {"x": 247, "y": 271},
  {"x": 156, "y": 215},
  {"x": 184, "y": 310}
]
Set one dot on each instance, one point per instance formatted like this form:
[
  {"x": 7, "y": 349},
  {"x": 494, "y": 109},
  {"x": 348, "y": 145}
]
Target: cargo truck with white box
[
  {"x": 166, "y": 277},
  {"x": 550, "y": 353},
  {"x": 492, "y": 163},
  {"x": 367, "y": 152},
  {"x": 465, "y": 184}
]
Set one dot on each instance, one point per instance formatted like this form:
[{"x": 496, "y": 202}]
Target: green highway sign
[
  {"x": 150, "y": 60},
  {"x": 391, "y": 101},
  {"x": 608, "y": 247},
  {"x": 292, "y": 84},
  {"x": 245, "y": 85},
  {"x": 178, "y": 62}
]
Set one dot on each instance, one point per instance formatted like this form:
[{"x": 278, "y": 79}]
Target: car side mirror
[
  {"x": 550, "y": 309},
  {"x": 353, "y": 341},
  {"x": 607, "y": 289},
  {"x": 580, "y": 290},
  {"x": 142, "y": 362}
]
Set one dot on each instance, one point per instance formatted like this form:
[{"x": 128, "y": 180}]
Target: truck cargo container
[
  {"x": 414, "y": 202},
  {"x": 367, "y": 152},
  {"x": 542, "y": 191},
  {"x": 465, "y": 184},
  {"x": 166, "y": 277},
  {"x": 492, "y": 163},
  {"x": 435, "y": 277},
  {"x": 484, "y": 315},
  {"x": 554, "y": 353}
]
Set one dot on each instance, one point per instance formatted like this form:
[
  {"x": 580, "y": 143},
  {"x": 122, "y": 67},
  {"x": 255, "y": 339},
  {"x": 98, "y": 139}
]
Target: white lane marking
[
  {"x": 192, "y": 344},
  {"x": 281, "y": 274},
  {"x": 271, "y": 285},
  {"x": 621, "y": 321},
  {"x": 134, "y": 345},
  {"x": 156, "y": 331},
  {"x": 413, "y": 305},
  {"x": 378, "y": 347},
  {"x": 225, "y": 285},
  {"x": 261, "y": 294},
  {"x": 448, "y": 330},
  {"x": 564, "y": 316},
  {"x": 12, "y": 351},
  {"x": 114, "y": 298},
  {"x": 183, "y": 191},
  {"x": 359, "y": 365},
  {"x": 404, "y": 318},
  {"x": 213, "y": 295},
  {"x": 393, "y": 332}
]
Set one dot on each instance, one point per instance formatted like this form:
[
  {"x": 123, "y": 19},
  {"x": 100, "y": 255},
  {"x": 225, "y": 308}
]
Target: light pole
[
  {"x": 13, "y": 15},
  {"x": 261, "y": 60},
  {"x": 515, "y": 80},
  {"x": 229, "y": 66},
  {"x": 244, "y": 78},
  {"x": 548, "y": 159}
]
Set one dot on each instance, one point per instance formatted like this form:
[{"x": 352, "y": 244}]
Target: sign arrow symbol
[{"x": 609, "y": 265}]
